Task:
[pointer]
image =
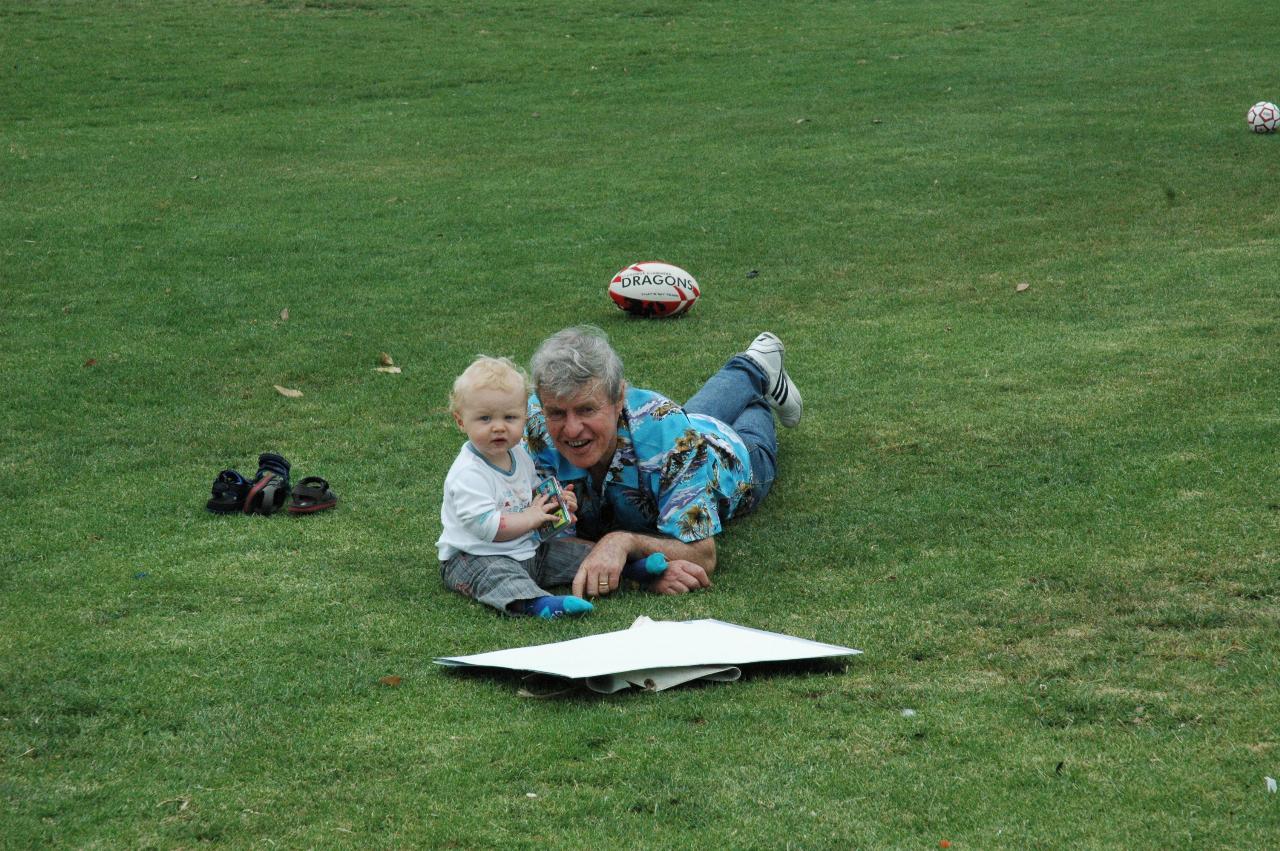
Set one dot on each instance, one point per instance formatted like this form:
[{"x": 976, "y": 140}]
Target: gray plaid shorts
[{"x": 499, "y": 581}]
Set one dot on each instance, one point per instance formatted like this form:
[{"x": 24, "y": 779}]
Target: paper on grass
[{"x": 654, "y": 654}]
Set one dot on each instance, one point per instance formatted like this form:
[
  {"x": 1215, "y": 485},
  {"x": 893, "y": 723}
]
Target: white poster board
[{"x": 654, "y": 654}]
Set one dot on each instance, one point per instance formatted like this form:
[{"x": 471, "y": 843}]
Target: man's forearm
[{"x": 702, "y": 552}]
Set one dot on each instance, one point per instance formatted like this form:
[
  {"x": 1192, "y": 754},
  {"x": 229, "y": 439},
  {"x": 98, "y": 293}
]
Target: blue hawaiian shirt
[{"x": 673, "y": 473}]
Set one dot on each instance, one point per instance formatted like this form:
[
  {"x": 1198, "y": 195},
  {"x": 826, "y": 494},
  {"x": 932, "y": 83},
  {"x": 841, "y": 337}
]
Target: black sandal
[
  {"x": 312, "y": 494},
  {"x": 229, "y": 492},
  {"x": 270, "y": 488}
]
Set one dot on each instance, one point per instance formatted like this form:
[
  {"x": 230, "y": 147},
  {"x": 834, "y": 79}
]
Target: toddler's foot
[
  {"x": 553, "y": 607},
  {"x": 645, "y": 569}
]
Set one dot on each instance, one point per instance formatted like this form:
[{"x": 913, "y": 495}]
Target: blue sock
[
  {"x": 553, "y": 607},
  {"x": 645, "y": 569}
]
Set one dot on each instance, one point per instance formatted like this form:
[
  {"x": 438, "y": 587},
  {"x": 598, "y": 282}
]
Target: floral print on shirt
[{"x": 673, "y": 473}]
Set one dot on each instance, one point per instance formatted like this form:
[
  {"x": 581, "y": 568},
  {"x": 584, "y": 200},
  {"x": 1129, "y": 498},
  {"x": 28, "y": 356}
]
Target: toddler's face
[{"x": 493, "y": 420}]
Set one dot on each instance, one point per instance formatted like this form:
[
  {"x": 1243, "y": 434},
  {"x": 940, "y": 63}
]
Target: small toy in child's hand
[{"x": 551, "y": 487}]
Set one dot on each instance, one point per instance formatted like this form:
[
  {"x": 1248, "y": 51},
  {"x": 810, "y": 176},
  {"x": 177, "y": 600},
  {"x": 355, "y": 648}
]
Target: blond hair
[{"x": 487, "y": 373}]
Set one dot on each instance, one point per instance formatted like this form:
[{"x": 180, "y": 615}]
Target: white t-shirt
[{"x": 476, "y": 494}]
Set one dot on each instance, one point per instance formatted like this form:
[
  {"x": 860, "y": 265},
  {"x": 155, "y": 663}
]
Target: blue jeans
[{"x": 735, "y": 396}]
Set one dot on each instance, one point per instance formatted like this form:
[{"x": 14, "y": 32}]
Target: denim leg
[
  {"x": 738, "y": 385},
  {"x": 758, "y": 431},
  {"x": 735, "y": 396}
]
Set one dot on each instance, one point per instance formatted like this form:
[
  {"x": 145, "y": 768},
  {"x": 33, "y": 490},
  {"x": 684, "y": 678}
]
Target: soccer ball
[{"x": 1263, "y": 117}]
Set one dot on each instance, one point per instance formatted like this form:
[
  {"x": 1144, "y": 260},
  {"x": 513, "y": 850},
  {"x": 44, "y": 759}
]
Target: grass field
[{"x": 1049, "y": 517}]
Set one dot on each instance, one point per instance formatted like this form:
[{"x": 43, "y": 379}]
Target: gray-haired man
[{"x": 651, "y": 475}]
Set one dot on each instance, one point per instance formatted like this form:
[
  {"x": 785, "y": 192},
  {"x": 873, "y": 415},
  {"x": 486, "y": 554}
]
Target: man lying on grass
[{"x": 652, "y": 476}]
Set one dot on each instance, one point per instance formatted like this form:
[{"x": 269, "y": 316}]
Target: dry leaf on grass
[
  {"x": 391, "y": 681},
  {"x": 288, "y": 391},
  {"x": 1022, "y": 287},
  {"x": 284, "y": 315},
  {"x": 385, "y": 359}
]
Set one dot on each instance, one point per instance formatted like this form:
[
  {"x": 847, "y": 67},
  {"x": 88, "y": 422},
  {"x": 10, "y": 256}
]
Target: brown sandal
[{"x": 312, "y": 494}]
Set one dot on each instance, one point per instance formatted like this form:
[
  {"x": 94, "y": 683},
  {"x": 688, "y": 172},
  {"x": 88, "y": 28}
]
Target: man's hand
[
  {"x": 601, "y": 571},
  {"x": 681, "y": 577}
]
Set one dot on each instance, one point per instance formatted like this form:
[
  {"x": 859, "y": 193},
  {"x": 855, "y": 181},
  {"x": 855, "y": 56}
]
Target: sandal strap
[
  {"x": 277, "y": 464},
  {"x": 230, "y": 483},
  {"x": 274, "y": 495},
  {"x": 312, "y": 486},
  {"x": 222, "y": 489}
]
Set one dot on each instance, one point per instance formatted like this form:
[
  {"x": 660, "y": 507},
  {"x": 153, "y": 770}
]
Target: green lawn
[{"x": 1048, "y": 517}]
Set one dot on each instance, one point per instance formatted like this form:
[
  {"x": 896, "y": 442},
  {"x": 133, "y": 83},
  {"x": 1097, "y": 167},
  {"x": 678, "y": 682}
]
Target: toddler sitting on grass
[{"x": 490, "y": 548}]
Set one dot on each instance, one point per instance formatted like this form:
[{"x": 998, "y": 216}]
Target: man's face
[{"x": 583, "y": 427}]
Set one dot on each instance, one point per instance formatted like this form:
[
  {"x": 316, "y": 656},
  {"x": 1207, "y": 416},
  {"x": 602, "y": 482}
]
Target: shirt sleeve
[
  {"x": 474, "y": 505},
  {"x": 687, "y": 506},
  {"x": 538, "y": 441}
]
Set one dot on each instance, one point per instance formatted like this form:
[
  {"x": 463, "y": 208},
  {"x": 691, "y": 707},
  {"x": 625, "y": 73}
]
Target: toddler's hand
[
  {"x": 541, "y": 510},
  {"x": 570, "y": 503}
]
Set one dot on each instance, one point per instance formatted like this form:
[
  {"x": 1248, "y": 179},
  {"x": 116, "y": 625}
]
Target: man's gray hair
[{"x": 569, "y": 361}]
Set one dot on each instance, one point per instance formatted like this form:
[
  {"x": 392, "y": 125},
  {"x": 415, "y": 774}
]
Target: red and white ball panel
[
  {"x": 654, "y": 289},
  {"x": 1263, "y": 117}
]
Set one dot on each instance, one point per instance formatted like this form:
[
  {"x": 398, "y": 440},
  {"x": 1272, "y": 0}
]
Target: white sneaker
[{"x": 780, "y": 390}]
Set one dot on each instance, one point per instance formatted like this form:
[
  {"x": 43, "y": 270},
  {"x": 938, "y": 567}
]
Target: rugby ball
[{"x": 654, "y": 289}]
